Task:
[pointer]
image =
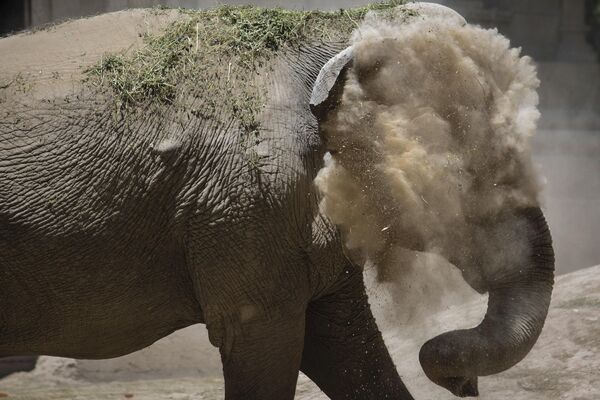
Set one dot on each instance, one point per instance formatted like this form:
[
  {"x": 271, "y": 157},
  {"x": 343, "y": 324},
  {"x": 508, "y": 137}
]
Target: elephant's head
[{"x": 517, "y": 271}]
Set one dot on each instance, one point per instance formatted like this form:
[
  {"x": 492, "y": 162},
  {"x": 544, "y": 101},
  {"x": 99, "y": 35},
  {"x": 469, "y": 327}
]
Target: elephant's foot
[
  {"x": 344, "y": 352},
  {"x": 261, "y": 359}
]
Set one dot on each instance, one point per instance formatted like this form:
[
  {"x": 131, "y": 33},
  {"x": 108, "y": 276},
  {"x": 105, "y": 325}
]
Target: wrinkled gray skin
[{"x": 114, "y": 235}]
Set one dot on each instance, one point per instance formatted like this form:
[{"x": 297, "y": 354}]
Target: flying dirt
[{"x": 430, "y": 143}]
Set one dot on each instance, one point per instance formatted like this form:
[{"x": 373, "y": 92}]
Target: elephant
[{"x": 123, "y": 221}]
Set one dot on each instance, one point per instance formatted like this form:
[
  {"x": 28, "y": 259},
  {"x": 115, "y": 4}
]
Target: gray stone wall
[
  {"x": 13, "y": 16},
  {"x": 45, "y": 11},
  {"x": 548, "y": 30}
]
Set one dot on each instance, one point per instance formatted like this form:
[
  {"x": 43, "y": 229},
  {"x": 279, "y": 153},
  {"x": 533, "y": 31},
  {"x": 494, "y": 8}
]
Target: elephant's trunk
[{"x": 517, "y": 307}]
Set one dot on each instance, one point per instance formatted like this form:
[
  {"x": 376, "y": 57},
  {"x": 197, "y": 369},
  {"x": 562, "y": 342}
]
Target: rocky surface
[{"x": 565, "y": 363}]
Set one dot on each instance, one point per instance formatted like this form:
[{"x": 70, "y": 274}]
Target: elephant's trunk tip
[{"x": 517, "y": 310}]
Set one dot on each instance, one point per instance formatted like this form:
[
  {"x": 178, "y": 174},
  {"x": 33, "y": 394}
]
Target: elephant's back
[{"x": 51, "y": 62}]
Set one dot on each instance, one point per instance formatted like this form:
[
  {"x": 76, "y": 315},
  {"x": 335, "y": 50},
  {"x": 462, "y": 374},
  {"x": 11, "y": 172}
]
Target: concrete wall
[
  {"x": 13, "y": 14},
  {"x": 45, "y": 11},
  {"x": 547, "y": 30},
  {"x": 570, "y": 162}
]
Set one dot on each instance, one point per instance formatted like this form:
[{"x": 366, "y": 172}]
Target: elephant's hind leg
[
  {"x": 261, "y": 361},
  {"x": 344, "y": 352}
]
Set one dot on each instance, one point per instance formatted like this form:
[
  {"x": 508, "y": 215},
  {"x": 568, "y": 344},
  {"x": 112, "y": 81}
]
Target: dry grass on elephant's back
[{"x": 221, "y": 57}]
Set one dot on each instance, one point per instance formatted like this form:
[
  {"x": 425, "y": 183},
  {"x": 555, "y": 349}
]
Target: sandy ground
[{"x": 565, "y": 363}]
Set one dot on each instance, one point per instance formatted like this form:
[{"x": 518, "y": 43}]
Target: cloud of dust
[{"x": 430, "y": 140}]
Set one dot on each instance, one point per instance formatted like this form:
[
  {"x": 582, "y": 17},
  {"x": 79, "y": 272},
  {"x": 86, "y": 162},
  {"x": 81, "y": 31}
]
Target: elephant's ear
[{"x": 328, "y": 89}]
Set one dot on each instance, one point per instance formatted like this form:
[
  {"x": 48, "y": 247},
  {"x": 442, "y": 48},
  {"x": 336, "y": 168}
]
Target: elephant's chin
[{"x": 517, "y": 308}]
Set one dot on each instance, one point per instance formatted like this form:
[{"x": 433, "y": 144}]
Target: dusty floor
[{"x": 565, "y": 363}]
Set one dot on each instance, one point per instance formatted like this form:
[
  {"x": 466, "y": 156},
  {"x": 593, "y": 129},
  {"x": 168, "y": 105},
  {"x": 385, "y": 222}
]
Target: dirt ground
[{"x": 565, "y": 363}]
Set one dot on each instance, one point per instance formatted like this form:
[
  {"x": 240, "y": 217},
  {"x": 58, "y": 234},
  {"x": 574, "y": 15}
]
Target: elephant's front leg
[
  {"x": 344, "y": 352},
  {"x": 262, "y": 359}
]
